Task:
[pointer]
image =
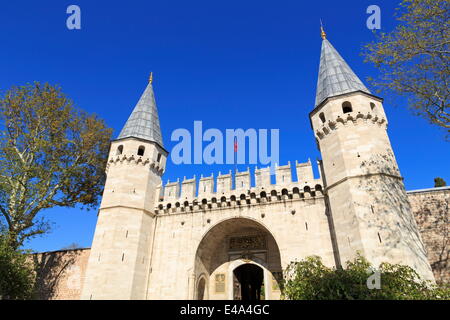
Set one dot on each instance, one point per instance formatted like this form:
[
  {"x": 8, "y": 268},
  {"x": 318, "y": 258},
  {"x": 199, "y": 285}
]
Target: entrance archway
[
  {"x": 248, "y": 282},
  {"x": 229, "y": 245},
  {"x": 201, "y": 289}
]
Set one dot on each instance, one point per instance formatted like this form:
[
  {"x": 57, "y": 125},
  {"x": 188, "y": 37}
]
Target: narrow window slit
[{"x": 322, "y": 117}]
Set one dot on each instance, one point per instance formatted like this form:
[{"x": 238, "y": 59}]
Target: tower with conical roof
[
  {"x": 119, "y": 261},
  {"x": 367, "y": 204}
]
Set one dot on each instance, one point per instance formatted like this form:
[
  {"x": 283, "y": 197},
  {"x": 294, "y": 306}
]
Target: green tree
[
  {"x": 439, "y": 182},
  {"x": 72, "y": 246},
  {"x": 51, "y": 154},
  {"x": 16, "y": 272},
  {"x": 310, "y": 279},
  {"x": 413, "y": 59}
]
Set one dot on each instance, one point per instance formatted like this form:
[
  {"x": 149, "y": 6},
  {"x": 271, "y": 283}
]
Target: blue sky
[{"x": 232, "y": 64}]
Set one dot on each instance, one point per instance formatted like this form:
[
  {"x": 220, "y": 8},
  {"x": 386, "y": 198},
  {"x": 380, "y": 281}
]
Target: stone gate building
[{"x": 209, "y": 240}]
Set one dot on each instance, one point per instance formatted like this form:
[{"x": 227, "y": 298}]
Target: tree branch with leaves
[
  {"x": 51, "y": 154},
  {"x": 414, "y": 59}
]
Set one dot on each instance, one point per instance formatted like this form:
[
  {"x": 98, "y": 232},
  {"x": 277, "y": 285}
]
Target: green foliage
[
  {"x": 310, "y": 279},
  {"x": 414, "y": 58},
  {"x": 51, "y": 154},
  {"x": 439, "y": 182},
  {"x": 16, "y": 273},
  {"x": 71, "y": 246}
]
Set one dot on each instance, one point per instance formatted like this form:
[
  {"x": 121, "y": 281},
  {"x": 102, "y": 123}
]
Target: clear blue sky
[{"x": 232, "y": 64}]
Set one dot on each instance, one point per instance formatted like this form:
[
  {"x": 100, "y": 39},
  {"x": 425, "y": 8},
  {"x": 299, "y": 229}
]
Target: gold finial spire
[
  {"x": 150, "y": 79},
  {"x": 322, "y": 31}
]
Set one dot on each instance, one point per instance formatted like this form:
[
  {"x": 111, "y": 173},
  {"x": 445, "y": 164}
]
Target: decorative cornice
[
  {"x": 349, "y": 118},
  {"x": 247, "y": 198},
  {"x": 362, "y": 176},
  {"x": 137, "y": 160},
  {"x": 340, "y": 96}
]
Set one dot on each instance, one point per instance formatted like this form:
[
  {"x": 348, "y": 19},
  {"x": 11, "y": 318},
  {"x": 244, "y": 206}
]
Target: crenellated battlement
[
  {"x": 138, "y": 160},
  {"x": 350, "y": 118},
  {"x": 218, "y": 193}
]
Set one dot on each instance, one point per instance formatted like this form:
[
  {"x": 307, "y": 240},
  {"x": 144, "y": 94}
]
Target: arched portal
[
  {"x": 248, "y": 282},
  {"x": 237, "y": 252},
  {"x": 201, "y": 289}
]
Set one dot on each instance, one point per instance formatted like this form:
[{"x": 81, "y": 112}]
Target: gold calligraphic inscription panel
[
  {"x": 220, "y": 283},
  {"x": 256, "y": 242}
]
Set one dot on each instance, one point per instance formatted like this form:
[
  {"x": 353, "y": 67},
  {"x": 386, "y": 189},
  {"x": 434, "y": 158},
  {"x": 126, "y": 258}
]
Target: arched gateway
[
  {"x": 189, "y": 239},
  {"x": 240, "y": 259}
]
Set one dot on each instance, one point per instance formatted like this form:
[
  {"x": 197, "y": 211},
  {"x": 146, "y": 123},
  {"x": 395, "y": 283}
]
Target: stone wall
[
  {"x": 299, "y": 227},
  {"x": 431, "y": 209},
  {"x": 60, "y": 274}
]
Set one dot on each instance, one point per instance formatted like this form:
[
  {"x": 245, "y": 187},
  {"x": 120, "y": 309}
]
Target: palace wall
[
  {"x": 178, "y": 234},
  {"x": 60, "y": 274},
  {"x": 290, "y": 212},
  {"x": 431, "y": 209},
  {"x": 299, "y": 227}
]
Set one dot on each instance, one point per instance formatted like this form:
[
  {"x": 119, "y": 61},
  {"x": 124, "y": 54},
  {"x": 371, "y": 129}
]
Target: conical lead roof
[
  {"x": 143, "y": 122},
  {"x": 335, "y": 76}
]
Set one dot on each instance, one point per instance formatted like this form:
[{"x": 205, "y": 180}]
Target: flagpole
[{"x": 235, "y": 155}]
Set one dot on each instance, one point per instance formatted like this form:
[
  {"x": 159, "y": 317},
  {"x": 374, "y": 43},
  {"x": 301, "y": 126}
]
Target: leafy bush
[
  {"x": 310, "y": 279},
  {"x": 439, "y": 182},
  {"x": 16, "y": 273}
]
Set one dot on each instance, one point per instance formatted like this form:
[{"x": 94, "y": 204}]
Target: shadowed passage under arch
[{"x": 241, "y": 241}]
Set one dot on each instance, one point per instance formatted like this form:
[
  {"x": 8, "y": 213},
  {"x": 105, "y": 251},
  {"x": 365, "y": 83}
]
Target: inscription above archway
[{"x": 253, "y": 242}]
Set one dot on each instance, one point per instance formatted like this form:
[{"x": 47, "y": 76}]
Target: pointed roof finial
[
  {"x": 322, "y": 31},
  {"x": 143, "y": 122},
  {"x": 335, "y": 75},
  {"x": 150, "y": 79}
]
